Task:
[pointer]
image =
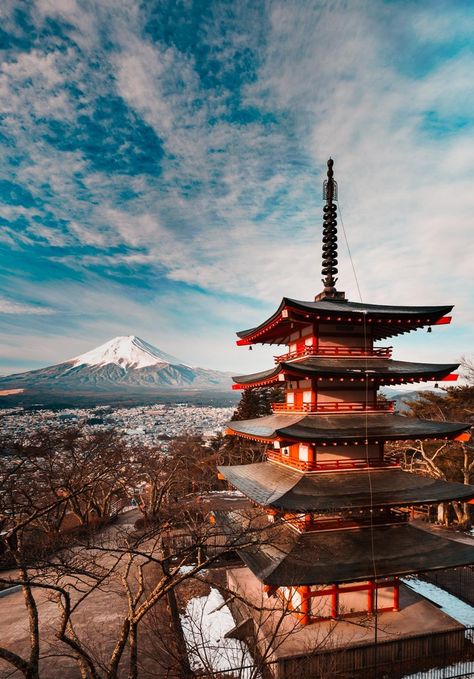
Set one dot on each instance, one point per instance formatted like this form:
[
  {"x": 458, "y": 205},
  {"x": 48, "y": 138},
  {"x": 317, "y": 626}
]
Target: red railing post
[
  {"x": 334, "y": 601},
  {"x": 370, "y": 598},
  {"x": 396, "y": 594}
]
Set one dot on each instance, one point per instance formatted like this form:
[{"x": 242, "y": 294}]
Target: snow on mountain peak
[{"x": 127, "y": 352}]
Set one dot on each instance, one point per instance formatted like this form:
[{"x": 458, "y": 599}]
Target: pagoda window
[
  {"x": 294, "y": 451},
  {"x": 290, "y": 397},
  {"x": 285, "y": 451},
  {"x": 306, "y": 453},
  {"x": 308, "y": 396}
]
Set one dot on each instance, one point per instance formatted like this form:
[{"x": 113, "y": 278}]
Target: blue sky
[{"x": 161, "y": 166}]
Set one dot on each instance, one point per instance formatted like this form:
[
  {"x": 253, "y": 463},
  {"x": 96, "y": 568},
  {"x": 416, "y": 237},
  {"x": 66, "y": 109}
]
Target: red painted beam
[
  {"x": 304, "y": 593},
  {"x": 370, "y": 598},
  {"x": 452, "y": 377},
  {"x": 445, "y": 320},
  {"x": 396, "y": 595},
  {"x": 238, "y": 386},
  {"x": 334, "y": 602}
]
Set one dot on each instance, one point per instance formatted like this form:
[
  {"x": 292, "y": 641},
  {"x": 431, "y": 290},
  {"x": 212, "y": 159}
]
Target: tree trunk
[
  {"x": 33, "y": 622},
  {"x": 462, "y": 513},
  {"x": 133, "y": 644}
]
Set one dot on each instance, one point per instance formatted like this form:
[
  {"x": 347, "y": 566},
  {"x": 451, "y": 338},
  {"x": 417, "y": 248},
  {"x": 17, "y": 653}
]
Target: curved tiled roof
[
  {"x": 345, "y": 428},
  {"x": 315, "y": 366},
  {"x": 284, "y": 488},
  {"x": 285, "y": 557},
  {"x": 356, "y": 310}
]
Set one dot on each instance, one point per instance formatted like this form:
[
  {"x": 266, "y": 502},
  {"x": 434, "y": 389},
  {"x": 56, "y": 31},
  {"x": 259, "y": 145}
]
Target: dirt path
[{"x": 98, "y": 620}]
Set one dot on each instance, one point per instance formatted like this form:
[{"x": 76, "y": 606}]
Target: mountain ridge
[{"x": 124, "y": 364}]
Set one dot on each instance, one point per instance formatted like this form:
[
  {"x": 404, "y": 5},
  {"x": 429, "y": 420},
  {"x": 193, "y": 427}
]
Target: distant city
[{"x": 149, "y": 425}]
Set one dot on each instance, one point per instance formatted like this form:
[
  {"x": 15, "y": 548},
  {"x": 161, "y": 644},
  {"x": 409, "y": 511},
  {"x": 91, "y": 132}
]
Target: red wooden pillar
[
  {"x": 396, "y": 594},
  {"x": 370, "y": 597},
  {"x": 334, "y": 601},
  {"x": 305, "y": 607}
]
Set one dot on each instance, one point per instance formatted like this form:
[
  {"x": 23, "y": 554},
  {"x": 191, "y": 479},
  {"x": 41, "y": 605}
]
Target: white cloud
[
  {"x": 233, "y": 211},
  {"x": 17, "y": 308}
]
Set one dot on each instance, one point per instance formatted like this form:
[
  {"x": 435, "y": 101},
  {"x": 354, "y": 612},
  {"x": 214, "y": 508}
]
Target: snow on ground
[
  {"x": 460, "y": 669},
  {"x": 205, "y": 622},
  {"x": 189, "y": 567},
  {"x": 455, "y": 608},
  {"x": 448, "y": 603}
]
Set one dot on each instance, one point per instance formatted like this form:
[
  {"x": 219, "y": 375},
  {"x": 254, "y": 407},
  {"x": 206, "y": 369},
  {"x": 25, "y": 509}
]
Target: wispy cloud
[
  {"x": 155, "y": 153},
  {"x": 9, "y": 307}
]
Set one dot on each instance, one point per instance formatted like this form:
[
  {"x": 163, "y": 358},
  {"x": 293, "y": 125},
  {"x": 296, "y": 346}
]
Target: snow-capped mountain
[
  {"x": 127, "y": 351},
  {"x": 124, "y": 364}
]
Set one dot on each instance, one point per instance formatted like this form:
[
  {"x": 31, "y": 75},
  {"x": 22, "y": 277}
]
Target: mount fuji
[{"x": 125, "y": 369}]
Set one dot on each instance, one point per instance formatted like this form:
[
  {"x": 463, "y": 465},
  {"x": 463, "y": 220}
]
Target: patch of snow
[
  {"x": 206, "y": 620},
  {"x": 457, "y": 609},
  {"x": 127, "y": 352},
  {"x": 464, "y": 670},
  {"x": 183, "y": 570},
  {"x": 449, "y": 604}
]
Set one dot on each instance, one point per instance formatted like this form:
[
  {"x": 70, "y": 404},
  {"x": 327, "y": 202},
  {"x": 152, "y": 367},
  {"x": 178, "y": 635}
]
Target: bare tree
[
  {"x": 137, "y": 570},
  {"x": 447, "y": 460}
]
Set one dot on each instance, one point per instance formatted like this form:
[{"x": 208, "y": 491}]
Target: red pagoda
[{"x": 336, "y": 503}]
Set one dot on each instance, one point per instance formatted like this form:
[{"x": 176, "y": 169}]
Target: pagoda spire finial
[{"x": 329, "y": 269}]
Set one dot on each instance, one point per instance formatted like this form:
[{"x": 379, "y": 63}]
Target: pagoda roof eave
[
  {"x": 284, "y": 557},
  {"x": 377, "y": 368},
  {"x": 283, "y": 488},
  {"x": 276, "y": 329},
  {"x": 344, "y": 429}
]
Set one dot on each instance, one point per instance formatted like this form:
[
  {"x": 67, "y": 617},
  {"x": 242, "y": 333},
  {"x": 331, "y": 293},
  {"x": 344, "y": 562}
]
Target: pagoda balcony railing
[
  {"x": 336, "y": 407},
  {"x": 335, "y": 523},
  {"x": 336, "y": 352},
  {"x": 331, "y": 465}
]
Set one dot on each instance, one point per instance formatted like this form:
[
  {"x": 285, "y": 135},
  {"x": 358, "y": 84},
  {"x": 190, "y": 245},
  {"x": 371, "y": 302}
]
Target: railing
[
  {"x": 335, "y": 523},
  {"x": 292, "y": 408},
  {"x": 338, "y": 352},
  {"x": 332, "y": 465},
  {"x": 335, "y": 407}
]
